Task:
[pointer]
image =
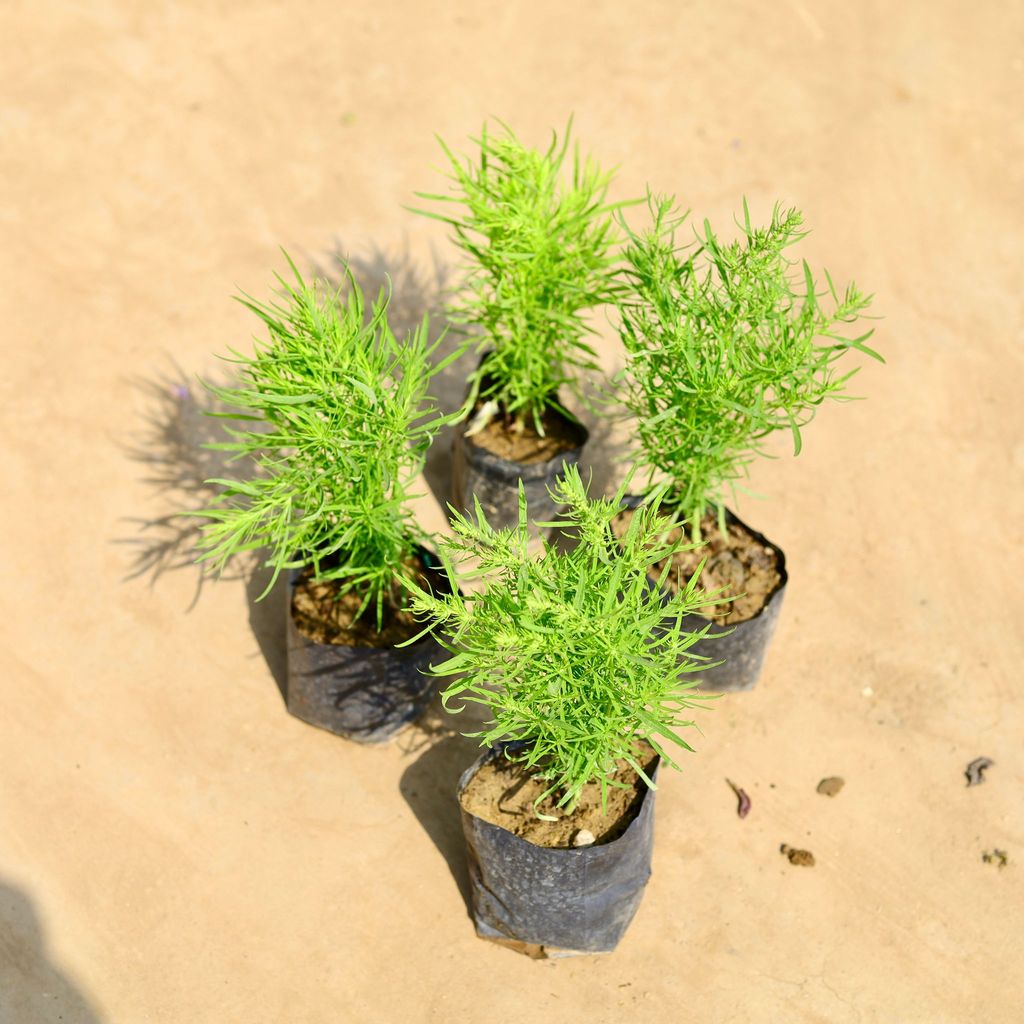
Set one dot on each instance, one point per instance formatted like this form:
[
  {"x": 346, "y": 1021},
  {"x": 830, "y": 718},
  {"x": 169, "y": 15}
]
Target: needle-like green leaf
[
  {"x": 568, "y": 649},
  {"x": 337, "y": 424},
  {"x": 539, "y": 239},
  {"x": 725, "y": 344}
]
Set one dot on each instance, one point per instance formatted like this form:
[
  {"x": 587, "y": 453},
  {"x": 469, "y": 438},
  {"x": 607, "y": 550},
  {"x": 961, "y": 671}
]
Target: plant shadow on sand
[
  {"x": 172, "y": 446},
  {"x": 32, "y": 986},
  {"x": 429, "y": 784}
]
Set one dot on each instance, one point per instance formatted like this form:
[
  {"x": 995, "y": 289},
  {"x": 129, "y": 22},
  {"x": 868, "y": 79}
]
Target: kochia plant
[
  {"x": 340, "y": 422},
  {"x": 725, "y": 344},
  {"x": 539, "y": 253},
  {"x": 573, "y": 652}
]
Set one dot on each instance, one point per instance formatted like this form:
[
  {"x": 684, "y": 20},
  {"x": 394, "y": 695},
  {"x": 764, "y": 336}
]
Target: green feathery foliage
[
  {"x": 539, "y": 254},
  {"x": 725, "y": 344},
  {"x": 340, "y": 423},
  {"x": 573, "y": 652}
]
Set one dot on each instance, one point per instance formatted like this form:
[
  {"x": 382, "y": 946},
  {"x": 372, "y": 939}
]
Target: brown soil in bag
[
  {"x": 739, "y": 562},
  {"x": 560, "y": 435},
  {"x": 323, "y": 617},
  {"x": 502, "y": 794}
]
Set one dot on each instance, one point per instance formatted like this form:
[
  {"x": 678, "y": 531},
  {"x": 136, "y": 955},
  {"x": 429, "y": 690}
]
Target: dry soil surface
[{"x": 173, "y": 846}]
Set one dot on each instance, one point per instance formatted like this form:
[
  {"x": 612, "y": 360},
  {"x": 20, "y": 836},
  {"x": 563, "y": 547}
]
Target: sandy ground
[{"x": 173, "y": 846}]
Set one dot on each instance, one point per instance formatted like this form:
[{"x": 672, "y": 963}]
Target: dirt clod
[
  {"x": 975, "y": 771},
  {"x": 998, "y": 857},
  {"x": 831, "y": 786},
  {"x": 801, "y": 858}
]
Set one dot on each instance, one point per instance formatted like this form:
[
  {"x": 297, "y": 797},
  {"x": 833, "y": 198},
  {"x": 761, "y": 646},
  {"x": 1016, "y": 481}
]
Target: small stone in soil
[
  {"x": 583, "y": 838},
  {"x": 801, "y": 858},
  {"x": 831, "y": 785},
  {"x": 729, "y": 568}
]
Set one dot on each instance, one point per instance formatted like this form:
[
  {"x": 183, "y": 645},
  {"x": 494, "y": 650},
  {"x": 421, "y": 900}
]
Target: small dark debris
[
  {"x": 831, "y": 786},
  {"x": 998, "y": 857},
  {"x": 743, "y": 805},
  {"x": 975, "y": 770},
  {"x": 801, "y": 858}
]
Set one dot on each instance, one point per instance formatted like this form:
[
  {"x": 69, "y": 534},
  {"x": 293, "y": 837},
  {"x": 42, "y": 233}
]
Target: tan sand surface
[{"x": 173, "y": 846}]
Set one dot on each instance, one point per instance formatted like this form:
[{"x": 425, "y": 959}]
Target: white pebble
[
  {"x": 583, "y": 838},
  {"x": 867, "y": 691}
]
